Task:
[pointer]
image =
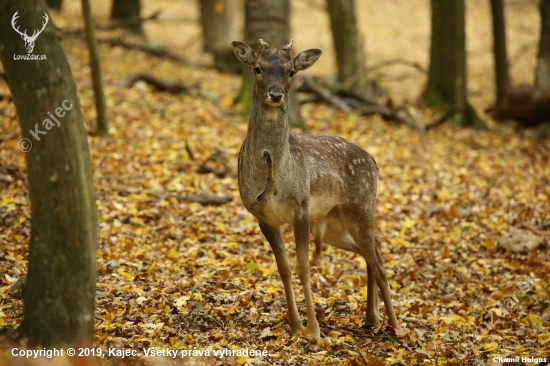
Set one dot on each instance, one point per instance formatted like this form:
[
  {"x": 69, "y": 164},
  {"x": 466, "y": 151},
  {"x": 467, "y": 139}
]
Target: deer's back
[{"x": 339, "y": 172}]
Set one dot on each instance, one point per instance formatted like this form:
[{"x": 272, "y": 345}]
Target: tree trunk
[
  {"x": 499, "y": 51},
  {"x": 447, "y": 74},
  {"x": 55, "y": 4},
  {"x": 102, "y": 128},
  {"x": 60, "y": 290},
  {"x": 350, "y": 57},
  {"x": 218, "y": 30},
  {"x": 125, "y": 10},
  {"x": 542, "y": 74},
  {"x": 270, "y": 21}
]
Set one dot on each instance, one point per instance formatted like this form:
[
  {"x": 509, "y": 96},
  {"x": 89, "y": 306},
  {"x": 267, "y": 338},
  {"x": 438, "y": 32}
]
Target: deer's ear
[
  {"x": 244, "y": 53},
  {"x": 306, "y": 59}
]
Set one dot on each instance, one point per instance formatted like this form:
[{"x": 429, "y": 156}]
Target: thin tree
[
  {"x": 447, "y": 74},
  {"x": 128, "y": 11},
  {"x": 218, "y": 30},
  {"x": 499, "y": 51},
  {"x": 270, "y": 21},
  {"x": 55, "y": 4},
  {"x": 60, "y": 290},
  {"x": 542, "y": 74},
  {"x": 348, "y": 44},
  {"x": 102, "y": 128}
]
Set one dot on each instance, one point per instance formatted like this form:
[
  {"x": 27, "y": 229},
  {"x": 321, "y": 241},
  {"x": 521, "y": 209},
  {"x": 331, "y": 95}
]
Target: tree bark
[
  {"x": 125, "y": 10},
  {"x": 499, "y": 51},
  {"x": 348, "y": 44},
  {"x": 218, "y": 30},
  {"x": 542, "y": 74},
  {"x": 447, "y": 75},
  {"x": 270, "y": 21},
  {"x": 60, "y": 290},
  {"x": 102, "y": 128},
  {"x": 55, "y": 4}
]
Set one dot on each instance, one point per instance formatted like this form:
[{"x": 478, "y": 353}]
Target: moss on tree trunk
[{"x": 447, "y": 75}]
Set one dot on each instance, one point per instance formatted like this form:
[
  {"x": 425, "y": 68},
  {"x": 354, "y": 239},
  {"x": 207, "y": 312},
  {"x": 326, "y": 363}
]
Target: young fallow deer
[{"x": 322, "y": 183}]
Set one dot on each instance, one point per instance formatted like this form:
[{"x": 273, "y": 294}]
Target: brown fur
[{"x": 322, "y": 182}]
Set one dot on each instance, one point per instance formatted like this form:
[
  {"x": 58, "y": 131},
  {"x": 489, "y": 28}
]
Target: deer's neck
[{"x": 267, "y": 134}]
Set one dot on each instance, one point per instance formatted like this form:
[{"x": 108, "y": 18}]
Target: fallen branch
[
  {"x": 202, "y": 198},
  {"x": 325, "y": 94},
  {"x": 169, "y": 86}
]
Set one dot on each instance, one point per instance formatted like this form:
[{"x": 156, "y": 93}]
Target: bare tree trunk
[
  {"x": 218, "y": 30},
  {"x": 270, "y": 21},
  {"x": 542, "y": 74},
  {"x": 499, "y": 51},
  {"x": 55, "y": 4},
  {"x": 102, "y": 128},
  {"x": 124, "y": 10},
  {"x": 447, "y": 74},
  {"x": 348, "y": 44},
  {"x": 60, "y": 290}
]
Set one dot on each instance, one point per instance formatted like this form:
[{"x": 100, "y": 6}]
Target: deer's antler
[
  {"x": 289, "y": 45},
  {"x": 13, "y": 19},
  {"x": 263, "y": 45}
]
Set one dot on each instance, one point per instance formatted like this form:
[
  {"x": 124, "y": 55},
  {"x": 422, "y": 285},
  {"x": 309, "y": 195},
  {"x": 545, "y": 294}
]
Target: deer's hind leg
[
  {"x": 342, "y": 239},
  {"x": 359, "y": 221}
]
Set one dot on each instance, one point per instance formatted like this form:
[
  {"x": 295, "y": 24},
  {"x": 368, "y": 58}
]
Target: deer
[
  {"x": 323, "y": 185},
  {"x": 29, "y": 40}
]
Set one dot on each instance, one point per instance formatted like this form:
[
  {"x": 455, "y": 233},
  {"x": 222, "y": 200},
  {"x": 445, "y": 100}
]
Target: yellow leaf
[
  {"x": 181, "y": 301},
  {"x": 490, "y": 347},
  {"x": 172, "y": 254},
  {"x": 241, "y": 359},
  {"x": 394, "y": 285},
  {"x": 125, "y": 274},
  {"x": 197, "y": 296},
  {"x": 533, "y": 319}
]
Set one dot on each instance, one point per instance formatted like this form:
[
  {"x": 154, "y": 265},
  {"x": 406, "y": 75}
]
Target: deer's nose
[{"x": 275, "y": 94}]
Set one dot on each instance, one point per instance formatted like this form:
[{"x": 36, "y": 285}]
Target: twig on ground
[
  {"x": 202, "y": 198},
  {"x": 169, "y": 86},
  {"x": 227, "y": 283}
]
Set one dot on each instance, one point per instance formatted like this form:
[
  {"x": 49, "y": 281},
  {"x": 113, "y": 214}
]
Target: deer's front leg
[
  {"x": 275, "y": 239},
  {"x": 301, "y": 233}
]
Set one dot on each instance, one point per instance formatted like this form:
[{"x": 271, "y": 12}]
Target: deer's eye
[
  {"x": 292, "y": 73},
  {"x": 257, "y": 70}
]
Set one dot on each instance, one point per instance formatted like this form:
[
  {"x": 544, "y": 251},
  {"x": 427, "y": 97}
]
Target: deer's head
[
  {"x": 29, "y": 40},
  {"x": 273, "y": 68}
]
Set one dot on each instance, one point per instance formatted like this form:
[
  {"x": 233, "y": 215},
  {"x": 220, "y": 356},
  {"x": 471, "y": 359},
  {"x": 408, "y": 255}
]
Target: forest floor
[{"x": 179, "y": 275}]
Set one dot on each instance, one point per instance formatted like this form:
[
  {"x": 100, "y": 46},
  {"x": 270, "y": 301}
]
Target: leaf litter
[{"x": 174, "y": 274}]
